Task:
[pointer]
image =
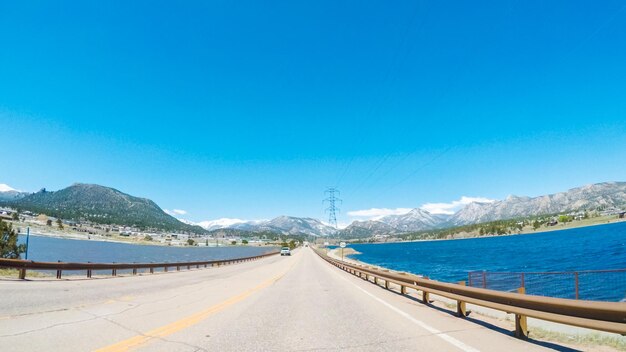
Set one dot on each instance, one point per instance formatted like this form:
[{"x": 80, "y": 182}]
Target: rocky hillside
[
  {"x": 290, "y": 225},
  {"x": 363, "y": 229},
  {"x": 590, "y": 197}
]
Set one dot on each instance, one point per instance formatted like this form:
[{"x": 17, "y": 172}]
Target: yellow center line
[{"x": 184, "y": 323}]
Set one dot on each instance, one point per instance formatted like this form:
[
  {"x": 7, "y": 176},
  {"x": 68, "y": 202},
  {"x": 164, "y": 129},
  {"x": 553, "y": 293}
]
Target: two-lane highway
[{"x": 275, "y": 304}]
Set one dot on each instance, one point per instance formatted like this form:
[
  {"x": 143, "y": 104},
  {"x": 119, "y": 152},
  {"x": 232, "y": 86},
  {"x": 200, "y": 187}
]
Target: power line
[{"x": 332, "y": 205}]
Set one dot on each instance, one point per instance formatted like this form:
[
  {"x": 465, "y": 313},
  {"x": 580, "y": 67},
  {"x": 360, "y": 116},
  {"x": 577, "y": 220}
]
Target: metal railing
[
  {"x": 596, "y": 285},
  {"x": 603, "y": 316},
  {"x": 23, "y": 265}
]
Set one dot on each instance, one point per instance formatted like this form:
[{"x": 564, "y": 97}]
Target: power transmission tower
[{"x": 332, "y": 205}]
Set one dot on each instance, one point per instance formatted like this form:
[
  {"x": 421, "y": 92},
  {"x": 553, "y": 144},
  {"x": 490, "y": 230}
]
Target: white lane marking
[{"x": 451, "y": 340}]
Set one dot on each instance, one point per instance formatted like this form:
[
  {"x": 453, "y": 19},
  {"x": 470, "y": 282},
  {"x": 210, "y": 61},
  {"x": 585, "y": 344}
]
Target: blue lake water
[
  {"x": 53, "y": 249},
  {"x": 590, "y": 248}
]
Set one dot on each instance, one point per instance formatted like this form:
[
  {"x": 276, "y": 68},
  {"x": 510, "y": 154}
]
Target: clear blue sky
[{"x": 250, "y": 109}]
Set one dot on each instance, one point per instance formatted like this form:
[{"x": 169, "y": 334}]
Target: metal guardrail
[
  {"x": 603, "y": 316},
  {"x": 23, "y": 265}
]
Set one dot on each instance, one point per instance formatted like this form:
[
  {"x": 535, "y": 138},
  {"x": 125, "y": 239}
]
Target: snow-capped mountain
[
  {"x": 359, "y": 229},
  {"x": 281, "y": 224},
  {"x": 295, "y": 225},
  {"x": 9, "y": 193},
  {"x": 228, "y": 223},
  {"x": 415, "y": 220},
  {"x": 412, "y": 221},
  {"x": 589, "y": 197}
]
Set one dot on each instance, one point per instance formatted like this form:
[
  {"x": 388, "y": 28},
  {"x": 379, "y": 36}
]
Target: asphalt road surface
[{"x": 297, "y": 303}]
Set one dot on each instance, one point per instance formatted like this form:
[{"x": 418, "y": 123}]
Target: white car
[{"x": 285, "y": 251}]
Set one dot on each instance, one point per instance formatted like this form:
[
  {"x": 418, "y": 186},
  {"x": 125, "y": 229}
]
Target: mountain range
[
  {"x": 107, "y": 205},
  {"x": 589, "y": 197},
  {"x": 287, "y": 225}
]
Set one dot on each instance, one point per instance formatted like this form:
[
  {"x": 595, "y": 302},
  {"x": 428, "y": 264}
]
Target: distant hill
[{"x": 101, "y": 205}]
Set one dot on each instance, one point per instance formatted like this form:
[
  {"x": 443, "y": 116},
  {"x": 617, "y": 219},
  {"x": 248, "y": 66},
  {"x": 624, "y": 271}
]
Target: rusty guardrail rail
[
  {"x": 23, "y": 265},
  {"x": 603, "y": 316}
]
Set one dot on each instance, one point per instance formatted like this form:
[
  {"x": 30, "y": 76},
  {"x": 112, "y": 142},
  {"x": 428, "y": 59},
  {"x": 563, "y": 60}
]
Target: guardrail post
[
  {"x": 521, "y": 325},
  {"x": 387, "y": 284},
  {"x": 576, "y": 282},
  {"x": 114, "y": 272},
  {"x": 165, "y": 269},
  {"x": 22, "y": 274},
  {"x": 461, "y": 309},
  {"x": 403, "y": 290},
  {"x": 177, "y": 267},
  {"x": 484, "y": 279},
  {"x": 59, "y": 272},
  {"x": 425, "y": 297},
  {"x": 376, "y": 280},
  {"x": 151, "y": 270}
]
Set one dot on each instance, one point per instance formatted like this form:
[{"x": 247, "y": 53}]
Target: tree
[
  {"x": 60, "y": 224},
  {"x": 244, "y": 242},
  {"x": 565, "y": 218},
  {"x": 16, "y": 216},
  {"x": 292, "y": 244},
  {"x": 536, "y": 225},
  {"x": 233, "y": 242},
  {"x": 147, "y": 238},
  {"x": 190, "y": 242},
  {"x": 49, "y": 222},
  {"x": 8, "y": 242}
]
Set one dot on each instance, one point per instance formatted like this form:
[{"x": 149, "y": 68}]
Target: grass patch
[
  {"x": 587, "y": 340},
  {"x": 13, "y": 273}
]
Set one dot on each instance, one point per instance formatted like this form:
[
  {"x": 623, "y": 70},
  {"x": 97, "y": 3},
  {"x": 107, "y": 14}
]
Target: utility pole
[{"x": 332, "y": 201}]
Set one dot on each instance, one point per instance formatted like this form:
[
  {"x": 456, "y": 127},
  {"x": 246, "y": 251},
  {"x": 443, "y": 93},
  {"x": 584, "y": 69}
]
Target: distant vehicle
[{"x": 285, "y": 251}]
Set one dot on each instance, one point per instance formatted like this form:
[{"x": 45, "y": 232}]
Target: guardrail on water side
[
  {"x": 603, "y": 316},
  {"x": 23, "y": 265}
]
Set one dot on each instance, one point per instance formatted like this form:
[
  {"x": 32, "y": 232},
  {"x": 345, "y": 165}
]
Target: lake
[
  {"x": 52, "y": 249},
  {"x": 589, "y": 248}
]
